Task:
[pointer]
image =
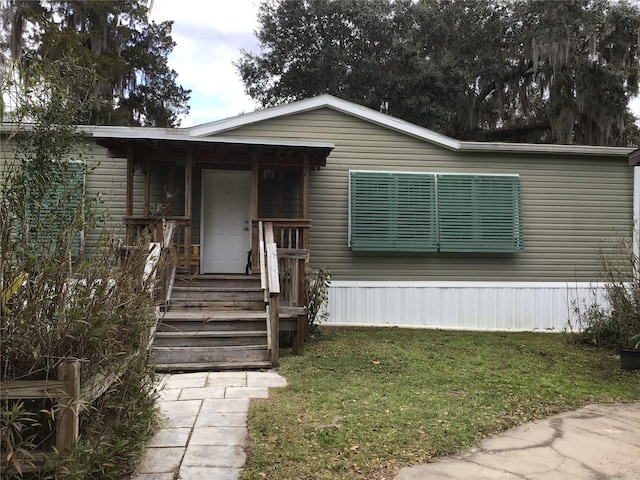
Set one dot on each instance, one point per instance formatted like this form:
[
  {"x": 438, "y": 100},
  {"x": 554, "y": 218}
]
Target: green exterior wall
[
  {"x": 106, "y": 180},
  {"x": 573, "y": 207}
]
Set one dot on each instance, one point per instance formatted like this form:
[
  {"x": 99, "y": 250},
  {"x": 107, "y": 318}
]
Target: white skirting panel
[{"x": 461, "y": 305}]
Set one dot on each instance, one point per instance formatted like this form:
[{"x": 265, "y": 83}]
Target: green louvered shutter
[
  {"x": 479, "y": 213},
  {"x": 59, "y": 209},
  {"x": 392, "y": 212}
]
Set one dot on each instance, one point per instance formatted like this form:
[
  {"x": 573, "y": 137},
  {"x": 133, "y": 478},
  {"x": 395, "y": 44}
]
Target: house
[
  {"x": 564, "y": 206},
  {"x": 417, "y": 229}
]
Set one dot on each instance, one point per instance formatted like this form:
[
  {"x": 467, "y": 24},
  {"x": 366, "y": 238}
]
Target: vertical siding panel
[{"x": 544, "y": 306}]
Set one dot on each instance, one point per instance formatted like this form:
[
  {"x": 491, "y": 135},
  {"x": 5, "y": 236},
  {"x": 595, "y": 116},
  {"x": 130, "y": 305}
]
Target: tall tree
[
  {"x": 529, "y": 70},
  {"x": 134, "y": 85}
]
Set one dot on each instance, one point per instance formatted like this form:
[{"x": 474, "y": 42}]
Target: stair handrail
[
  {"x": 263, "y": 279},
  {"x": 270, "y": 281},
  {"x": 169, "y": 230}
]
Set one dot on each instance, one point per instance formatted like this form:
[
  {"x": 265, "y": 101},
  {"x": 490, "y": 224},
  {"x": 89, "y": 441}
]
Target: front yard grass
[{"x": 364, "y": 402}]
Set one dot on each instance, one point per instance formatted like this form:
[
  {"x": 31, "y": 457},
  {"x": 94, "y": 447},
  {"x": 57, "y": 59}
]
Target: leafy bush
[
  {"x": 60, "y": 301},
  {"x": 615, "y": 322},
  {"x": 317, "y": 297}
]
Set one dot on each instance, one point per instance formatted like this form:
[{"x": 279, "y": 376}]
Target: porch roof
[{"x": 162, "y": 146}]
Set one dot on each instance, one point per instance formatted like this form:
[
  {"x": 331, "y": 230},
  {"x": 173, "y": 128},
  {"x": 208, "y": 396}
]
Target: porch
[{"x": 225, "y": 210}]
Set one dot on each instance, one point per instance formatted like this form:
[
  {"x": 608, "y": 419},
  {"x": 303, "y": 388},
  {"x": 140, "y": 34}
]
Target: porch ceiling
[{"x": 213, "y": 150}]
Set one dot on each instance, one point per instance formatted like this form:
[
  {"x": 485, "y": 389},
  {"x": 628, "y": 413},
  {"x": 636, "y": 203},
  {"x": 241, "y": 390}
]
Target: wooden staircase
[{"x": 214, "y": 322}]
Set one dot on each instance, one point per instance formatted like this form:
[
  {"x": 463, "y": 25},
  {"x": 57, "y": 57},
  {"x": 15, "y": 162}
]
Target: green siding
[
  {"x": 107, "y": 182},
  {"x": 105, "y": 188},
  {"x": 572, "y": 207}
]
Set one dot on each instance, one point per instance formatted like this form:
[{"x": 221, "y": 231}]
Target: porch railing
[
  {"x": 288, "y": 233},
  {"x": 151, "y": 226},
  {"x": 153, "y": 229},
  {"x": 162, "y": 233}
]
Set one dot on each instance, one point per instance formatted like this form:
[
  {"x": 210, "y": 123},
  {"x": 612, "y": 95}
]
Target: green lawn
[{"x": 364, "y": 402}]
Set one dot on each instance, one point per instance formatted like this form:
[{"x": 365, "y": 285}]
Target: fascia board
[
  {"x": 144, "y": 135},
  {"x": 550, "y": 149}
]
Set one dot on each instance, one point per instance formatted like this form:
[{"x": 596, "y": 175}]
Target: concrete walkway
[
  {"x": 205, "y": 427},
  {"x": 598, "y": 442}
]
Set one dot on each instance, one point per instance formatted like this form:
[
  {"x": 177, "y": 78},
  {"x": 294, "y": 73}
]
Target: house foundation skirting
[{"x": 524, "y": 306}]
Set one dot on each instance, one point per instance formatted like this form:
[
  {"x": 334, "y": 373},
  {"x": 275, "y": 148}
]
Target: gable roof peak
[
  {"x": 322, "y": 101},
  {"x": 329, "y": 101}
]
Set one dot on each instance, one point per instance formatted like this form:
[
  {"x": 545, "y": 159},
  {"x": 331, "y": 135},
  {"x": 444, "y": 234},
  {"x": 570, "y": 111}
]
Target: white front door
[{"x": 225, "y": 237}]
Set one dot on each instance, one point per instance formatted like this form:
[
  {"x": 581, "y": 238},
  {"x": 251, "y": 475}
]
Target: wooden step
[
  {"x": 211, "y": 366},
  {"x": 228, "y": 354},
  {"x": 210, "y": 338},
  {"x": 212, "y": 321},
  {"x": 219, "y": 276},
  {"x": 218, "y": 280},
  {"x": 214, "y": 288},
  {"x": 217, "y": 298},
  {"x": 209, "y": 315},
  {"x": 177, "y": 304}
]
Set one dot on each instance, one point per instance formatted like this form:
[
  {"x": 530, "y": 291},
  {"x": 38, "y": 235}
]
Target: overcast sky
[{"x": 209, "y": 35}]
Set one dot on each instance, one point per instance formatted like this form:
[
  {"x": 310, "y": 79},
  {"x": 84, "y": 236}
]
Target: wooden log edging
[
  {"x": 68, "y": 422},
  {"x": 66, "y": 392},
  {"x": 70, "y": 400}
]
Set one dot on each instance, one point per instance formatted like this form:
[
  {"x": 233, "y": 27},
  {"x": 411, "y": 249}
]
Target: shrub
[
  {"x": 60, "y": 301},
  {"x": 615, "y": 323},
  {"x": 317, "y": 297}
]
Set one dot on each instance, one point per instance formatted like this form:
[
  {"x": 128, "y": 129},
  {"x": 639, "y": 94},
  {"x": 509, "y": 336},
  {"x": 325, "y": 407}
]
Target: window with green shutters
[
  {"x": 416, "y": 212},
  {"x": 479, "y": 213},
  {"x": 391, "y": 212},
  {"x": 56, "y": 210}
]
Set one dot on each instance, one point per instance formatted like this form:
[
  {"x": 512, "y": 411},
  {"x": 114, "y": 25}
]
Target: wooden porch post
[
  {"x": 147, "y": 189},
  {"x": 280, "y": 193},
  {"x": 188, "y": 187},
  {"x": 170, "y": 188},
  {"x": 254, "y": 186},
  {"x": 304, "y": 197},
  {"x": 129, "y": 199},
  {"x": 255, "y": 179}
]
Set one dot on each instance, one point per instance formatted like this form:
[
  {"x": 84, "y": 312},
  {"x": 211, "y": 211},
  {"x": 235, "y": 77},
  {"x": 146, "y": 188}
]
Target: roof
[
  {"x": 367, "y": 114},
  {"x": 173, "y": 145},
  {"x": 634, "y": 158},
  {"x": 207, "y": 132},
  {"x": 173, "y": 136}
]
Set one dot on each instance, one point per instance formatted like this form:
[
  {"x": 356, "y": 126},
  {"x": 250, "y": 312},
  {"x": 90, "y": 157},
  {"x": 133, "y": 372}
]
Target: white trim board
[
  {"x": 428, "y": 327},
  {"x": 463, "y": 284},
  {"x": 529, "y": 306}
]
